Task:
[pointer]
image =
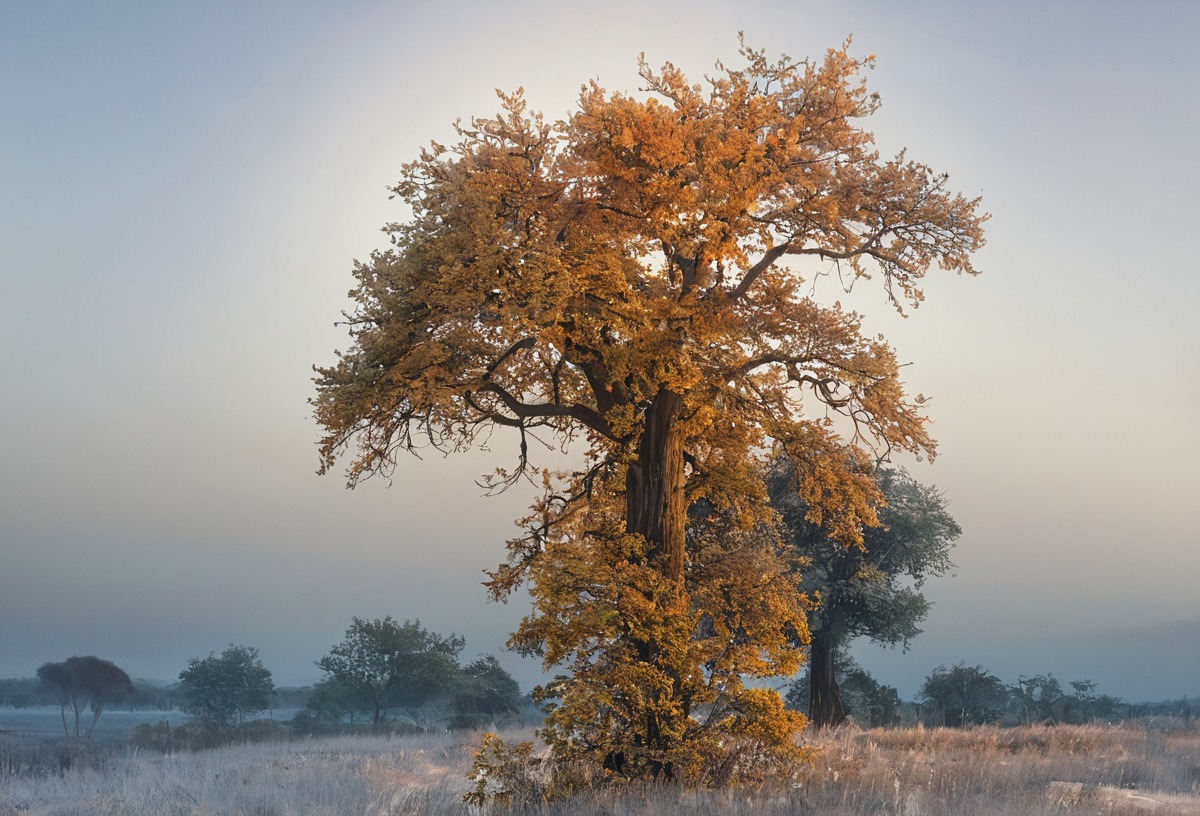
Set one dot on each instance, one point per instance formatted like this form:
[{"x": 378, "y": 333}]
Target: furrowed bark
[{"x": 656, "y": 507}]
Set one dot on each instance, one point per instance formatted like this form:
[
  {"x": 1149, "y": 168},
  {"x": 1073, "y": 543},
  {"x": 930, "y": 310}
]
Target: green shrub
[{"x": 198, "y": 735}]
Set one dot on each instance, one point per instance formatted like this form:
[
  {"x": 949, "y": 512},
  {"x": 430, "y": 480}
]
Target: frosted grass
[
  {"x": 334, "y": 776},
  {"x": 1031, "y": 771}
]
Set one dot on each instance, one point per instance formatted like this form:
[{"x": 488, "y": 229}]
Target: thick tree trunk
[
  {"x": 656, "y": 509},
  {"x": 655, "y": 502},
  {"x": 824, "y": 699}
]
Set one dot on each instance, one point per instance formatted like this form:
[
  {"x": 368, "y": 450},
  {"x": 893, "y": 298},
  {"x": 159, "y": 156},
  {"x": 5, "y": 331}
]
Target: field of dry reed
[{"x": 1061, "y": 770}]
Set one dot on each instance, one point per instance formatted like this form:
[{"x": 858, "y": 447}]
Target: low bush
[
  {"x": 307, "y": 723},
  {"x": 199, "y": 736}
]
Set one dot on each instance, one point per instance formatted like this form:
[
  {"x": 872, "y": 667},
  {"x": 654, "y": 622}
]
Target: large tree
[
  {"x": 618, "y": 279},
  {"x": 870, "y": 590}
]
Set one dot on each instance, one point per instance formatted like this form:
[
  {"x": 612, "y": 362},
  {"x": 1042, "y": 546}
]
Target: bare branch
[{"x": 523, "y": 410}]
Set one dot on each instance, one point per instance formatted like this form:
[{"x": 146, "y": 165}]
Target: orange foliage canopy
[{"x": 620, "y": 276}]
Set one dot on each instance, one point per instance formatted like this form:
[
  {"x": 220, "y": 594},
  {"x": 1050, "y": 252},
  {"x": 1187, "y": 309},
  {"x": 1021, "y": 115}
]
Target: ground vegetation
[{"x": 1151, "y": 767}]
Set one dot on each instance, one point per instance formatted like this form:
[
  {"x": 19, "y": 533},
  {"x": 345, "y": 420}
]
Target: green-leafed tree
[
  {"x": 24, "y": 692},
  {"x": 1040, "y": 698},
  {"x": 870, "y": 589},
  {"x": 55, "y": 678},
  {"x": 483, "y": 692},
  {"x": 382, "y": 664},
  {"x": 226, "y": 689},
  {"x": 84, "y": 683},
  {"x": 620, "y": 280},
  {"x": 964, "y": 695},
  {"x": 1092, "y": 706},
  {"x": 862, "y": 697},
  {"x": 333, "y": 706}
]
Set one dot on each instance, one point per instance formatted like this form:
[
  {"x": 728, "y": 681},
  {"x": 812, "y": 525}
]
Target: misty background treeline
[
  {"x": 384, "y": 675},
  {"x": 400, "y": 676},
  {"x": 391, "y": 675},
  {"x": 962, "y": 695},
  {"x": 396, "y": 676}
]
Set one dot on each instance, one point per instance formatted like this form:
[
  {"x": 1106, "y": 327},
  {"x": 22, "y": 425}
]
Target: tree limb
[
  {"x": 523, "y": 410},
  {"x": 769, "y": 257}
]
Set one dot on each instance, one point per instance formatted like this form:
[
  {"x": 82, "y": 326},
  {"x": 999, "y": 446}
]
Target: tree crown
[
  {"x": 556, "y": 277},
  {"x": 393, "y": 664},
  {"x": 873, "y": 588},
  {"x": 225, "y": 689}
]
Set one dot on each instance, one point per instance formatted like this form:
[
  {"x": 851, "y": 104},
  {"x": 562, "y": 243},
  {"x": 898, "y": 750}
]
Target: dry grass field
[
  {"x": 1028, "y": 770},
  {"x": 1063, "y": 770}
]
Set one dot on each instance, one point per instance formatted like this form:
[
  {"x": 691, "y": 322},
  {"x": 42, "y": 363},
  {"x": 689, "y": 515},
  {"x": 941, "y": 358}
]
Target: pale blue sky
[{"x": 185, "y": 185}]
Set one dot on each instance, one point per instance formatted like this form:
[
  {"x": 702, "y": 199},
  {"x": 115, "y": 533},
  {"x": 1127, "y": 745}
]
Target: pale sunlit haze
[{"x": 183, "y": 188}]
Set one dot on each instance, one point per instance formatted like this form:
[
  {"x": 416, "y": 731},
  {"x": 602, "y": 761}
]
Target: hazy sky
[{"x": 183, "y": 187}]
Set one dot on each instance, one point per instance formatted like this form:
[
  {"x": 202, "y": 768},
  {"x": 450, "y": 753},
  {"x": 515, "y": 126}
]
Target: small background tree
[
  {"x": 332, "y": 706},
  {"x": 483, "y": 692},
  {"x": 225, "y": 690},
  {"x": 84, "y": 683},
  {"x": 383, "y": 665},
  {"x": 964, "y": 695},
  {"x": 1042, "y": 699},
  {"x": 24, "y": 692},
  {"x": 1039, "y": 699},
  {"x": 1092, "y": 706}
]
